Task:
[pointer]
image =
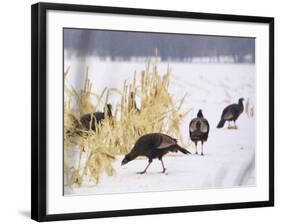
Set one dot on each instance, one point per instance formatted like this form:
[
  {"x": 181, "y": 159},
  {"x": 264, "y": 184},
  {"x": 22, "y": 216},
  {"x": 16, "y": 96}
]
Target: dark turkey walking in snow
[
  {"x": 91, "y": 120},
  {"x": 231, "y": 113},
  {"x": 199, "y": 130},
  {"x": 154, "y": 145}
]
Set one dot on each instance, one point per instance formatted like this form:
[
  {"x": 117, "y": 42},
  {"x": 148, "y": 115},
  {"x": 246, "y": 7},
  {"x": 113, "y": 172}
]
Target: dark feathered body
[
  {"x": 96, "y": 118},
  {"x": 199, "y": 129},
  {"x": 92, "y": 119},
  {"x": 231, "y": 113},
  {"x": 153, "y": 145}
]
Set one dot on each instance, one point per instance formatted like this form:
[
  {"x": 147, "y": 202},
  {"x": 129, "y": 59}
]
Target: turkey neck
[
  {"x": 241, "y": 105},
  {"x": 200, "y": 114},
  {"x": 132, "y": 155},
  {"x": 109, "y": 113}
]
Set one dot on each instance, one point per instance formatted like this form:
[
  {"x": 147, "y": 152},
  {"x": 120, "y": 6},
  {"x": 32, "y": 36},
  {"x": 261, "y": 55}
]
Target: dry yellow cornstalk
[{"x": 90, "y": 154}]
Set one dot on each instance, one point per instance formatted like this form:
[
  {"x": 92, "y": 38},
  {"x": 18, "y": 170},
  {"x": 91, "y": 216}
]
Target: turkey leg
[{"x": 144, "y": 171}]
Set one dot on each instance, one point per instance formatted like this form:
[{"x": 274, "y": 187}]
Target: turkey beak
[{"x": 124, "y": 161}]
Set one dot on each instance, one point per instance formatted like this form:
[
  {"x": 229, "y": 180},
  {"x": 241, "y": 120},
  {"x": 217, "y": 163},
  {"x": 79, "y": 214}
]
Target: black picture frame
[{"x": 39, "y": 108}]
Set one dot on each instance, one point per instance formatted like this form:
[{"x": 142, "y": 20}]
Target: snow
[{"x": 229, "y": 159}]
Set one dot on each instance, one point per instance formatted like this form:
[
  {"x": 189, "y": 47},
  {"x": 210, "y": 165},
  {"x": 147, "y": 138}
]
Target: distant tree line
[{"x": 125, "y": 45}]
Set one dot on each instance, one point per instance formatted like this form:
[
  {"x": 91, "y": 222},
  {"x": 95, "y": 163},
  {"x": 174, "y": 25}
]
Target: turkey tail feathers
[
  {"x": 221, "y": 123},
  {"x": 183, "y": 150}
]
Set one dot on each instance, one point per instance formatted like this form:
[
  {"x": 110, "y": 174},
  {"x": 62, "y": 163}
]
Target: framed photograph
[{"x": 140, "y": 111}]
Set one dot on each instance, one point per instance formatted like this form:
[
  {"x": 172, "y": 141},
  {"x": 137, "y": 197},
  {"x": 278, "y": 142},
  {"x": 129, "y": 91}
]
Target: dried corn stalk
[{"x": 96, "y": 151}]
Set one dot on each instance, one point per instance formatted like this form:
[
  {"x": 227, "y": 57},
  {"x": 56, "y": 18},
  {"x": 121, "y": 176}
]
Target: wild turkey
[
  {"x": 199, "y": 130},
  {"x": 231, "y": 113},
  {"x": 92, "y": 119},
  {"x": 153, "y": 145}
]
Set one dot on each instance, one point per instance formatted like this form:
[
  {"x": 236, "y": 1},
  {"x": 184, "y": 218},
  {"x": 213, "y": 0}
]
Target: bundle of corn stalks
[{"x": 88, "y": 153}]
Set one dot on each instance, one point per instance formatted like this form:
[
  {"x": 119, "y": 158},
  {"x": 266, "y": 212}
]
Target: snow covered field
[{"x": 229, "y": 159}]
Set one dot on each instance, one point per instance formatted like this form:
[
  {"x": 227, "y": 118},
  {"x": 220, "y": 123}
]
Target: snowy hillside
[{"x": 229, "y": 159}]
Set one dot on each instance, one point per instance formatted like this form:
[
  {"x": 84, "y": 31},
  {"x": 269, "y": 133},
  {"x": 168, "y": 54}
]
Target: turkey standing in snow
[
  {"x": 199, "y": 130},
  {"x": 231, "y": 113},
  {"x": 153, "y": 145},
  {"x": 89, "y": 121}
]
